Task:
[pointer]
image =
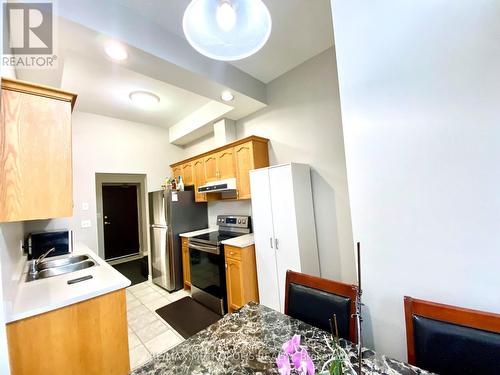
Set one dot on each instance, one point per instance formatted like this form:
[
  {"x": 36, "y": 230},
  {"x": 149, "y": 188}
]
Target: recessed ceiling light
[
  {"x": 226, "y": 96},
  {"x": 144, "y": 99},
  {"x": 115, "y": 50}
]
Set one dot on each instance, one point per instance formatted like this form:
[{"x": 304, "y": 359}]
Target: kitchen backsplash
[{"x": 243, "y": 207}]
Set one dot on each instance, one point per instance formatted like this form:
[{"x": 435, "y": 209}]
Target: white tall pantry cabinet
[{"x": 284, "y": 228}]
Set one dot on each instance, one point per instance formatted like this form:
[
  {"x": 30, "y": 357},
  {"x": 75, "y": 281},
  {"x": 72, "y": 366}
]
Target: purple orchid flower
[
  {"x": 292, "y": 345},
  {"x": 303, "y": 363},
  {"x": 283, "y": 363}
]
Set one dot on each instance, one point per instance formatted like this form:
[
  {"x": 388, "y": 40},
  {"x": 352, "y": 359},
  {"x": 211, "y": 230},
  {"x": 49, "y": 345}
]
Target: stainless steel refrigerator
[{"x": 172, "y": 213}]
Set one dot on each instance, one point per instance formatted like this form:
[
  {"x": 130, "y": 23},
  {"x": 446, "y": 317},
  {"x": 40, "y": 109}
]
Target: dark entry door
[{"x": 121, "y": 220}]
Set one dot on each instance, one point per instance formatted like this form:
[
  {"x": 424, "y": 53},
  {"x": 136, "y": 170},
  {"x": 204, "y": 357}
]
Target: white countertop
[
  {"x": 40, "y": 296},
  {"x": 198, "y": 232},
  {"x": 241, "y": 241}
]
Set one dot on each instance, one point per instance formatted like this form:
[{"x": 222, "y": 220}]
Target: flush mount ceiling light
[
  {"x": 144, "y": 99},
  {"x": 227, "y": 30},
  {"x": 115, "y": 50},
  {"x": 227, "y": 96}
]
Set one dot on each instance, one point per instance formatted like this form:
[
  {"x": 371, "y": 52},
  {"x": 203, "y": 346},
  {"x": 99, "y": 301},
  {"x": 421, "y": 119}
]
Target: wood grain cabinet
[
  {"x": 199, "y": 179},
  {"x": 86, "y": 338},
  {"x": 186, "y": 268},
  {"x": 35, "y": 152},
  {"x": 248, "y": 156},
  {"x": 241, "y": 276},
  {"x": 177, "y": 171},
  {"x": 234, "y": 160},
  {"x": 187, "y": 174},
  {"x": 225, "y": 164},
  {"x": 210, "y": 164}
]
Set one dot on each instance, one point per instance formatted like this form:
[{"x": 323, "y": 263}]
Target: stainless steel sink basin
[
  {"x": 54, "y": 271},
  {"x": 61, "y": 266},
  {"x": 61, "y": 262}
]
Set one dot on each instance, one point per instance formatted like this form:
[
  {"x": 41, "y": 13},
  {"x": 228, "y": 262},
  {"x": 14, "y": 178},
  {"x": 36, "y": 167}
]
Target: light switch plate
[
  {"x": 85, "y": 206},
  {"x": 86, "y": 223}
]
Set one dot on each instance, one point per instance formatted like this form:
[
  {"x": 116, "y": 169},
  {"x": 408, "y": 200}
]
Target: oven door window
[{"x": 207, "y": 272}]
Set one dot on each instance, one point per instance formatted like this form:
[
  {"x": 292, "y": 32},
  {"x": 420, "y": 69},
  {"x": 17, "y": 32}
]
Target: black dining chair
[
  {"x": 451, "y": 340},
  {"x": 315, "y": 300}
]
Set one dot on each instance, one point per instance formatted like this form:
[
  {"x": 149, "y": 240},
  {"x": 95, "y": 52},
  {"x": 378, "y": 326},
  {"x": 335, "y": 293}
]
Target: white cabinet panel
[
  {"x": 285, "y": 228},
  {"x": 264, "y": 238},
  {"x": 283, "y": 239}
]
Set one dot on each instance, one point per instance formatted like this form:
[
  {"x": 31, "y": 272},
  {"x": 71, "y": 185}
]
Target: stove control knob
[{"x": 239, "y": 221}]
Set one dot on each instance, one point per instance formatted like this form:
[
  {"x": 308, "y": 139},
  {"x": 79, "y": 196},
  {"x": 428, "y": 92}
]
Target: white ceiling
[
  {"x": 160, "y": 60},
  {"x": 99, "y": 82},
  {"x": 103, "y": 85},
  {"x": 301, "y": 30}
]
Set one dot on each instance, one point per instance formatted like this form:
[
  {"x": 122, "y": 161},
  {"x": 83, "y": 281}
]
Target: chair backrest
[
  {"x": 314, "y": 300},
  {"x": 452, "y": 340}
]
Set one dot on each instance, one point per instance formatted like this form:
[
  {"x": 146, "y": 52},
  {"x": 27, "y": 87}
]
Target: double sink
[{"x": 61, "y": 265}]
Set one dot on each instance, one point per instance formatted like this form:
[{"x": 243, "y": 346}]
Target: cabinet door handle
[
  {"x": 271, "y": 242},
  {"x": 226, "y": 265},
  {"x": 231, "y": 253},
  {"x": 276, "y": 243}
]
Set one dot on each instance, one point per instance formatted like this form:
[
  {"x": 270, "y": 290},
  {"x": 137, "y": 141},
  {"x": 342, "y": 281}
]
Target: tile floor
[{"x": 149, "y": 334}]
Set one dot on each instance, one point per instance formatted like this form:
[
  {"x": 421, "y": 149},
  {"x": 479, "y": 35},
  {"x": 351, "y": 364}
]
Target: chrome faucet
[{"x": 36, "y": 262}]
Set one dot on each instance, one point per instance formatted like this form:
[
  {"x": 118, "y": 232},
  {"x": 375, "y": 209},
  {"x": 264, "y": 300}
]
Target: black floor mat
[
  {"x": 131, "y": 270},
  {"x": 187, "y": 316}
]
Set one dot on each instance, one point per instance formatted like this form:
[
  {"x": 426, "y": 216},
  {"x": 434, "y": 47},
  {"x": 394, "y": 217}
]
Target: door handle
[
  {"x": 107, "y": 222},
  {"x": 271, "y": 242},
  {"x": 276, "y": 243}
]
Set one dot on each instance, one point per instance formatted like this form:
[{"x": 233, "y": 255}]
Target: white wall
[
  {"x": 303, "y": 122},
  {"x": 420, "y": 93},
  {"x": 108, "y": 145}
]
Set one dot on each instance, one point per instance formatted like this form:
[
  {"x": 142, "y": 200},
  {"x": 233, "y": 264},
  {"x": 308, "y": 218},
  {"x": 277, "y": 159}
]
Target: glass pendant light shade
[{"x": 227, "y": 30}]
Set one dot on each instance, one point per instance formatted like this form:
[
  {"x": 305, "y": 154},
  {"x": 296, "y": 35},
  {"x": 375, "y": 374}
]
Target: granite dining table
[{"x": 249, "y": 341}]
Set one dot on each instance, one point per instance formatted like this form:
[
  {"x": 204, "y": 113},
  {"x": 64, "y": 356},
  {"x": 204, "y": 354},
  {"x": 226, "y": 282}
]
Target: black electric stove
[
  {"x": 207, "y": 263},
  {"x": 215, "y": 237}
]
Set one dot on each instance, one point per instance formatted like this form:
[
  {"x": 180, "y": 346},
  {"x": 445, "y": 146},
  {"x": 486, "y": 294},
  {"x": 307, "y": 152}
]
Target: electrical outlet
[
  {"x": 85, "y": 206},
  {"x": 86, "y": 224}
]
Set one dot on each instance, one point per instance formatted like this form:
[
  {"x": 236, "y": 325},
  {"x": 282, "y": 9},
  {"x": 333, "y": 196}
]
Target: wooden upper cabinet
[
  {"x": 211, "y": 172},
  {"x": 187, "y": 174},
  {"x": 199, "y": 179},
  {"x": 35, "y": 152},
  {"x": 248, "y": 156},
  {"x": 177, "y": 171},
  {"x": 225, "y": 164},
  {"x": 233, "y": 160}
]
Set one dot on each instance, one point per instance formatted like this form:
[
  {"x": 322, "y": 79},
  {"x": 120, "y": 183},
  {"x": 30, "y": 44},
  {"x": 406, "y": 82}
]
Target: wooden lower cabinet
[
  {"x": 186, "y": 269},
  {"x": 241, "y": 276},
  {"x": 86, "y": 338}
]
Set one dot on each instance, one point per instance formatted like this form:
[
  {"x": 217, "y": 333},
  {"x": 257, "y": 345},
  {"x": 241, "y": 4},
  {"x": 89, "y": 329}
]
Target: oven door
[{"x": 208, "y": 275}]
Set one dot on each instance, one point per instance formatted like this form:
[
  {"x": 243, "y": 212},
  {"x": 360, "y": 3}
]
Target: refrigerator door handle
[
  {"x": 171, "y": 257},
  {"x": 159, "y": 226}
]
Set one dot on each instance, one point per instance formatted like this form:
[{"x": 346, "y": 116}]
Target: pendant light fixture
[{"x": 227, "y": 30}]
